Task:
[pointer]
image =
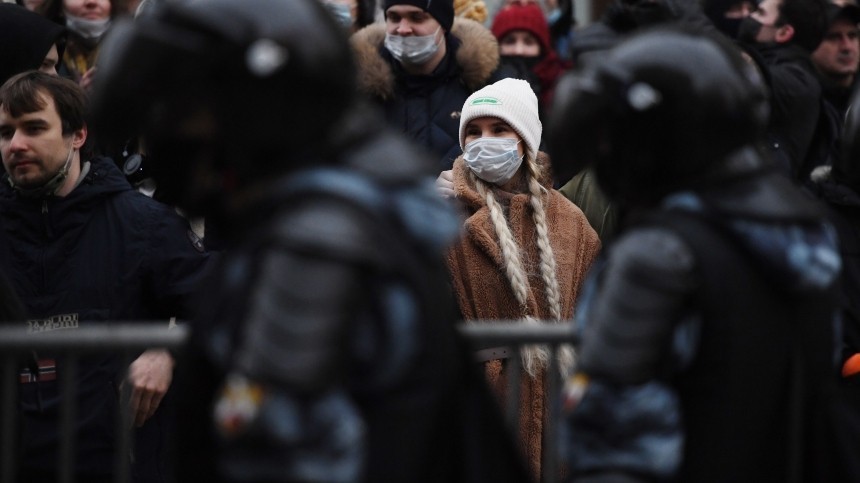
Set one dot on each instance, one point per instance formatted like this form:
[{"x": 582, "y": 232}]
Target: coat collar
[{"x": 477, "y": 57}]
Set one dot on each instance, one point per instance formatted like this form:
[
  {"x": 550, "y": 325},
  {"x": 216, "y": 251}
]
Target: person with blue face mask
[
  {"x": 525, "y": 248},
  {"x": 420, "y": 65}
]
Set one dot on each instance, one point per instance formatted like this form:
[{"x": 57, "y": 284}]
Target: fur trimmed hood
[{"x": 477, "y": 56}]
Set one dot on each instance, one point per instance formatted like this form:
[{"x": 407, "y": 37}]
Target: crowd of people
[{"x": 323, "y": 190}]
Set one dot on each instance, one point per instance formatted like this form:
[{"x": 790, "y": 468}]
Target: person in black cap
[
  {"x": 28, "y": 41},
  {"x": 421, "y": 65},
  {"x": 838, "y": 55}
]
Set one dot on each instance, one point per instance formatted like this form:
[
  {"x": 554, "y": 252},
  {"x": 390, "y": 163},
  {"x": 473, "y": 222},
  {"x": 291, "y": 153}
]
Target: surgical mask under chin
[
  {"x": 86, "y": 28},
  {"x": 51, "y": 186},
  {"x": 412, "y": 50},
  {"x": 494, "y": 160}
]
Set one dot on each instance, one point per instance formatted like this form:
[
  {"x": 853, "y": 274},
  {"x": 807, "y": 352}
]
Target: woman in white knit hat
[{"x": 525, "y": 249}]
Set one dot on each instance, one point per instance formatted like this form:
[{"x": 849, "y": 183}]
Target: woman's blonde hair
[{"x": 534, "y": 357}]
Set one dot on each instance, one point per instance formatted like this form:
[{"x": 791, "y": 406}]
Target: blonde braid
[
  {"x": 510, "y": 251},
  {"x": 549, "y": 269},
  {"x": 534, "y": 357},
  {"x": 547, "y": 258}
]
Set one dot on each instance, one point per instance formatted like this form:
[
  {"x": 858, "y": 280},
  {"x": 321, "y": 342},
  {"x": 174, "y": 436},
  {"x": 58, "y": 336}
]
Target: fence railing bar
[
  {"x": 549, "y": 464},
  {"x": 106, "y": 338},
  {"x": 505, "y": 332},
  {"x": 68, "y": 374},
  {"x": 514, "y": 373},
  {"x": 7, "y": 417},
  {"x": 124, "y": 428}
]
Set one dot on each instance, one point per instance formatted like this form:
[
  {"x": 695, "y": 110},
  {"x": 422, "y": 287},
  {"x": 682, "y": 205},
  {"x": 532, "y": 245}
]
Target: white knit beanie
[{"x": 511, "y": 100}]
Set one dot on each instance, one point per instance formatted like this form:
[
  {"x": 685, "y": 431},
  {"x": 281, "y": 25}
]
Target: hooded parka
[{"x": 101, "y": 254}]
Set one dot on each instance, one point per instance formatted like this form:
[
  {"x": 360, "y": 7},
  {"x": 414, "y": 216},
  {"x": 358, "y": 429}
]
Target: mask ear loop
[
  {"x": 68, "y": 162},
  {"x": 50, "y": 187},
  {"x": 61, "y": 175}
]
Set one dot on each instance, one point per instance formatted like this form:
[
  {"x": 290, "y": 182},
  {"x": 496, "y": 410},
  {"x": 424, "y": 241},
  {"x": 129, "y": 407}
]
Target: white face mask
[
  {"x": 414, "y": 50},
  {"x": 86, "y": 28},
  {"x": 494, "y": 160}
]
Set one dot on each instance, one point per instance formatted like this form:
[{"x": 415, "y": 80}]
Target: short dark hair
[
  {"x": 809, "y": 19},
  {"x": 21, "y": 95}
]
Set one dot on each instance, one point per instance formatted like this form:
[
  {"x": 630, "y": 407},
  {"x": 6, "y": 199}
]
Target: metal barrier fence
[
  {"x": 123, "y": 339},
  {"x": 128, "y": 339},
  {"x": 515, "y": 335}
]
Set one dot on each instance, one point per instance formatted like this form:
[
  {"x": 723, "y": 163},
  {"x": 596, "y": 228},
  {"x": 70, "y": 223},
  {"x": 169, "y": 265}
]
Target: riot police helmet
[
  {"x": 224, "y": 93},
  {"x": 660, "y": 112}
]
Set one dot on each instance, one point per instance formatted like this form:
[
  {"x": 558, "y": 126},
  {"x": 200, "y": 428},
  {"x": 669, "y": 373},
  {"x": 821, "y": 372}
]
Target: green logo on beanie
[{"x": 483, "y": 101}]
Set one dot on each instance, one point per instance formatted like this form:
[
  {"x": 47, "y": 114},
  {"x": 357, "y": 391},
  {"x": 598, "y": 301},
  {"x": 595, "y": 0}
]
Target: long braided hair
[{"x": 534, "y": 357}]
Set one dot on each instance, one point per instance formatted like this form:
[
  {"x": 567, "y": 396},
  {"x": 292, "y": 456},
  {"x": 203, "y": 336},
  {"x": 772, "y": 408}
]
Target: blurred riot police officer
[
  {"x": 328, "y": 352},
  {"x": 707, "y": 350}
]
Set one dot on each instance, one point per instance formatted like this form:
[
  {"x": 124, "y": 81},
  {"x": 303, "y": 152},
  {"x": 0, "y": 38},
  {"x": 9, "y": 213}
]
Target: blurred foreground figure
[
  {"x": 328, "y": 352},
  {"x": 707, "y": 351}
]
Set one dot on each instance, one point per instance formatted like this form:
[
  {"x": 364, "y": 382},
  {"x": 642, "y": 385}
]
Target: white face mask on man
[
  {"x": 494, "y": 160},
  {"x": 412, "y": 50}
]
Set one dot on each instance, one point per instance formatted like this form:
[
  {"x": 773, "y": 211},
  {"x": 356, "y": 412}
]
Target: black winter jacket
[
  {"x": 795, "y": 107},
  {"x": 427, "y": 108},
  {"x": 102, "y": 253}
]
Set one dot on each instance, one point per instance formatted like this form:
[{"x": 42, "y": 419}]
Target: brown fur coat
[{"x": 483, "y": 291}]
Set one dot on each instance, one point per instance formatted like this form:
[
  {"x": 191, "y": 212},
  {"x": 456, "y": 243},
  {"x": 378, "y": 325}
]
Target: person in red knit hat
[{"x": 524, "y": 44}]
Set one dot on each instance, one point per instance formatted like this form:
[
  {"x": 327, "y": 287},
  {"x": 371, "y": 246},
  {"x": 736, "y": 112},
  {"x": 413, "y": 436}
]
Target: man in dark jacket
[
  {"x": 81, "y": 247},
  {"x": 707, "y": 330},
  {"x": 780, "y": 36},
  {"x": 421, "y": 65}
]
